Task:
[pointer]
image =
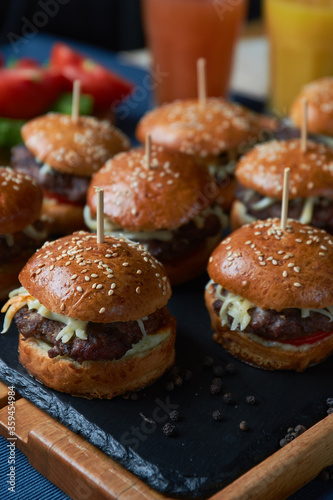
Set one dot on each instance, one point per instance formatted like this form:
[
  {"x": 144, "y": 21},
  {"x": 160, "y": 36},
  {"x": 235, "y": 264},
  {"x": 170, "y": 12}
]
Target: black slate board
[{"x": 205, "y": 455}]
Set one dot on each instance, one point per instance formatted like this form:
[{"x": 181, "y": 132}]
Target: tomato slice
[
  {"x": 311, "y": 339},
  {"x": 27, "y": 92},
  {"x": 60, "y": 199},
  {"x": 104, "y": 85}
]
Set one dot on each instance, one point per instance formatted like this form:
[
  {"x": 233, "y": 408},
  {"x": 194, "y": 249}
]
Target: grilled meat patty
[{"x": 105, "y": 340}]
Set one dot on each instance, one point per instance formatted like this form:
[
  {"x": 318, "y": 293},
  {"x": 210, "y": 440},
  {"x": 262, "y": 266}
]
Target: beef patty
[
  {"x": 71, "y": 188},
  {"x": 105, "y": 340},
  {"x": 322, "y": 211},
  {"x": 285, "y": 325}
]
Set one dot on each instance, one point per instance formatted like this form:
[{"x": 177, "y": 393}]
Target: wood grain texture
[
  {"x": 288, "y": 469},
  {"x": 84, "y": 472}
]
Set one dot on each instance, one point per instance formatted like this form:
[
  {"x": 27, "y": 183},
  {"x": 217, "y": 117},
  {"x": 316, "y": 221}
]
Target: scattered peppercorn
[
  {"x": 170, "y": 386},
  {"x": 329, "y": 402},
  {"x": 178, "y": 381},
  {"x": 329, "y": 411},
  {"x": 174, "y": 371},
  {"x": 299, "y": 429},
  {"x": 169, "y": 430},
  {"x": 251, "y": 400},
  {"x": 244, "y": 426},
  {"x": 218, "y": 370},
  {"x": 208, "y": 361},
  {"x": 187, "y": 375},
  {"x": 228, "y": 398},
  {"x": 217, "y": 415},
  {"x": 230, "y": 368},
  {"x": 174, "y": 415}
]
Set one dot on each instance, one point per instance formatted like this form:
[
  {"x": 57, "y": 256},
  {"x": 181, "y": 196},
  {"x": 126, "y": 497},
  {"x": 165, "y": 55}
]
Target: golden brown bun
[
  {"x": 99, "y": 379},
  {"x": 252, "y": 262},
  {"x": 98, "y": 282},
  {"x": 64, "y": 218},
  {"x": 73, "y": 148},
  {"x": 245, "y": 348},
  {"x": 20, "y": 201},
  {"x": 319, "y": 96},
  {"x": 9, "y": 272},
  {"x": 193, "y": 264},
  {"x": 262, "y": 169},
  {"x": 203, "y": 130},
  {"x": 239, "y": 216},
  {"x": 166, "y": 196}
]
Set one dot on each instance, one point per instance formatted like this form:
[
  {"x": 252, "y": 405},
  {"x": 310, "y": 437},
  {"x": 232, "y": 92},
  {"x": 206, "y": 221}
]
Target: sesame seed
[
  {"x": 62, "y": 307},
  {"x": 74, "y": 277},
  {"x": 51, "y": 267},
  {"x": 125, "y": 264},
  {"x": 297, "y": 284},
  {"x": 291, "y": 264},
  {"x": 94, "y": 285},
  {"x": 297, "y": 269},
  {"x": 87, "y": 278},
  {"x": 298, "y": 240},
  {"x": 262, "y": 263},
  {"x": 285, "y": 274},
  {"x": 309, "y": 242},
  {"x": 79, "y": 288},
  {"x": 274, "y": 262},
  {"x": 138, "y": 289},
  {"x": 99, "y": 286},
  {"x": 113, "y": 285},
  {"x": 102, "y": 310},
  {"x": 110, "y": 292},
  {"x": 94, "y": 275}
]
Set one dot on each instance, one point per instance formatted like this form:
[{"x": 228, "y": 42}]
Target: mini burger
[
  {"x": 62, "y": 155},
  {"x": 92, "y": 317},
  {"x": 260, "y": 177},
  {"x": 319, "y": 96},
  {"x": 270, "y": 297},
  {"x": 22, "y": 230},
  {"x": 170, "y": 207},
  {"x": 216, "y": 133}
]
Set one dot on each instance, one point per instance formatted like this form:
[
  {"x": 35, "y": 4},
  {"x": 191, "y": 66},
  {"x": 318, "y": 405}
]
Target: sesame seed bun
[
  {"x": 99, "y": 379},
  {"x": 20, "y": 201},
  {"x": 319, "y": 96},
  {"x": 100, "y": 282},
  {"x": 311, "y": 172},
  {"x": 267, "y": 356},
  {"x": 276, "y": 269},
  {"x": 166, "y": 196},
  {"x": 203, "y": 130},
  {"x": 79, "y": 148}
]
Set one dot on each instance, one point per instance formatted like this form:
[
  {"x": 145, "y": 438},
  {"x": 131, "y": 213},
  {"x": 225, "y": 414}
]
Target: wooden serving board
[{"x": 79, "y": 468}]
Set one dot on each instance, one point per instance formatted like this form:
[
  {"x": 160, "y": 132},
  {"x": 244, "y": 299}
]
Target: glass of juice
[
  {"x": 179, "y": 32},
  {"x": 301, "y": 46}
]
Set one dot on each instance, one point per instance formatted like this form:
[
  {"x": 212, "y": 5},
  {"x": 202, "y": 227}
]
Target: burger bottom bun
[
  {"x": 242, "y": 346},
  {"x": 98, "y": 379},
  {"x": 239, "y": 216},
  {"x": 9, "y": 272},
  {"x": 64, "y": 218},
  {"x": 192, "y": 264}
]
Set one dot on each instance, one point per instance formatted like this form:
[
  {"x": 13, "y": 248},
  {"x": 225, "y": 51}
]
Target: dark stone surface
[{"x": 205, "y": 454}]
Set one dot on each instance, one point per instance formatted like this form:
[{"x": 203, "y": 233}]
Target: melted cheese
[
  {"x": 281, "y": 345},
  {"x": 265, "y": 202},
  {"x": 148, "y": 342},
  {"x": 33, "y": 233},
  {"x": 238, "y": 308}
]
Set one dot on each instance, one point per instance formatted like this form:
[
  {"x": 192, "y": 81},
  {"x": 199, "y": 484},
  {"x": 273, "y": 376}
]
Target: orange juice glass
[
  {"x": 181, "y": 31},
  {"x": 301, "y": 46}
]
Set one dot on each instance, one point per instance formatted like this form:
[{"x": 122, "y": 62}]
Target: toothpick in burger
[{"x": 92, "y": 317}]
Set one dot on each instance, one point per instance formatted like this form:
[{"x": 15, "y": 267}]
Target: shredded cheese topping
[
  {"x": 238, "y": 308},
  {"x": 161, "y": 234},
  {"x": 20, "y": 297}
]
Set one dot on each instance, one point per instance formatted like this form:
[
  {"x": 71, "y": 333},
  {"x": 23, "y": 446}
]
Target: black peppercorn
[
  {"x": 174, "y": 415},
  {"x": 217, "y": 415},
  {"x": 251, "y": 400},
  {"x": 169, "y": 429},
  {"x": 218, "y": 370},
  {"x": 228, "y": 398},
  {"x": 244, "y": 426}
]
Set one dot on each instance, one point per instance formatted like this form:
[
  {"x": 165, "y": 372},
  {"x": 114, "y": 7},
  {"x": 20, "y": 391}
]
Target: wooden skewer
[
  {"x": 100, "y": 215},
  {"x": 285, "y": 199},
  {"x": 201, "y": 78},
  {"x": 148, "y": 151},
  {"x": 304, "y": 131},
  {"x": 76, "y": 100}
]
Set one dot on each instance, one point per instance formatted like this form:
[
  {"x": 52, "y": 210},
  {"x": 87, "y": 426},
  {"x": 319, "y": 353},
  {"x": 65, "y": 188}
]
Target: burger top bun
[
  {"x": 276, "y": 269},
  {"x": 311, "y": 172},
  {"x": 20, "y": 201},
  {"x": 201, "y": 129},
  {"x": 319, "y": 95},
  {"x": 100, "y": 282},
  {"x": 167, "y": 195},
  {"x": 79, "y": 148}
]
